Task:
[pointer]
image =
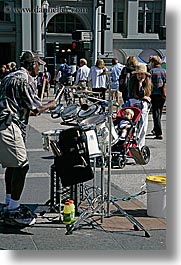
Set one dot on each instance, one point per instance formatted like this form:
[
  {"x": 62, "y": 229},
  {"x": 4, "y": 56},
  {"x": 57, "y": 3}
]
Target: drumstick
[
  {"x": 43, "y": 89},
  {"x": 59, "y": 93},
  {"x": 97, "y": 99}
]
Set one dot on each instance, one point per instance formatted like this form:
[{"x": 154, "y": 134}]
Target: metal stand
[{"x": 100, "y": 200}]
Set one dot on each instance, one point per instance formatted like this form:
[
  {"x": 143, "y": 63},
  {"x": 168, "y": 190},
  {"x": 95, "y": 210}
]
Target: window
[
  {"x": 149, "y": 16},
  {"x": 120, "y": 22},
  {"x": 141, "y": 22},
  {"x": 157, "y": 22},
  {"x": 119, "y": 18},
  {"x": 64, "y": 23}
]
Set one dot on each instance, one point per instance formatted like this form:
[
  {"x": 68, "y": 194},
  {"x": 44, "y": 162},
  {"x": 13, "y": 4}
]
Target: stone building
[{"x": 135, "y": 27}]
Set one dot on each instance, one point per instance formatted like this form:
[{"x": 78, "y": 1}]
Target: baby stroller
[{"x": 128, "y": 148}]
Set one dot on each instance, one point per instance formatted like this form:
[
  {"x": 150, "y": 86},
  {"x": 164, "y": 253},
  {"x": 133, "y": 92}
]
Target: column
[
  {"x": 26, "y": 27},
  {"x": 37, "y": 22},
  {"x": 132, "y": 29}
]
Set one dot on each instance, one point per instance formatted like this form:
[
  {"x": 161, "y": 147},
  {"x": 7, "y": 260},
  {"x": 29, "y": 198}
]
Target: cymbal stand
[
  {"x": 135, "y": 223},
  {"x": 109, "y": 147}
]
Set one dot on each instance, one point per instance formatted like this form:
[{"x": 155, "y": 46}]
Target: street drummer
[{"x": 18, "y": 98}]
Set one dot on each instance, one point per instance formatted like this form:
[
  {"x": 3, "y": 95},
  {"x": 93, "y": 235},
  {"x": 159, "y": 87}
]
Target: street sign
[
  {"x": 82, "y": 35},
  {"x": 86, "y": 36}
]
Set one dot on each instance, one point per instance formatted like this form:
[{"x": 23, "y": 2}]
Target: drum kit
[
  {"x": 101, "y": 135},
  {"x": 88, "y": 116}
]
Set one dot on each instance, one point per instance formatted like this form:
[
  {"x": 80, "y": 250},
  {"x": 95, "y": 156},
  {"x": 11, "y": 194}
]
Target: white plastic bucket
[{"x": 156, "y": 196}]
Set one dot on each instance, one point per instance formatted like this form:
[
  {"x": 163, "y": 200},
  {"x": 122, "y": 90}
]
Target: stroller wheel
[
  {"x": 145, "y": 153},
  {"x": 121, "y": 163}
]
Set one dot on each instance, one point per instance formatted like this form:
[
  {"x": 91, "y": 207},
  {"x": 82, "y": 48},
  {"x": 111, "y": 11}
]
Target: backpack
[{"x": 66, "y": 70}]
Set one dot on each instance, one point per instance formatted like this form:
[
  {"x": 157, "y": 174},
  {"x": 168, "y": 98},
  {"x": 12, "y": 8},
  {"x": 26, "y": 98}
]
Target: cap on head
[{"x": 30, "y": 57}]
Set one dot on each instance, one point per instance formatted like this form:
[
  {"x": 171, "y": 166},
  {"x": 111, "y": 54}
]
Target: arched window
[{"x": 65, "y": 23}]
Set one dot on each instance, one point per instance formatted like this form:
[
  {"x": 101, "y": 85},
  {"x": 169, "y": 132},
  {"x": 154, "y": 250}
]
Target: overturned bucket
[{"x": 156, "y": 196}]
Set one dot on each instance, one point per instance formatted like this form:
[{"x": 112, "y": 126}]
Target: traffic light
[
  {"x": 100, "y": 3},
  {"x": 56, "y": 46},
  {"x": 105, "y": 22},
  {"x": 162, "y": 33},
  {"x": 74, "y": 45},
  {"x": 108, "y": 23},
  {"x": 76, "y": 35}
]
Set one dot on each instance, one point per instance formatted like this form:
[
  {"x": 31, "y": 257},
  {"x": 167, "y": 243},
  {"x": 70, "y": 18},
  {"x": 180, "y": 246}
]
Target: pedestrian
[
  {"x": 158, "y": 95},
  {"x": 13, "y": 67},
  {"x": 2, "y": 71},
  {"x": 115, "y": 70},
  {"x": 66, "y": 73},
  {"x": 17, "y": 99},
  {"x": 98, "y": 77},
  {"x": 8, "y": 68},
  {"x": 47, "y": 79},
  {"x": 82, "y": 74},
  {"x": 140, "y": 90},
  {"x": 39, "y": 84},
  {"x": 56, "y": 81},
  {"x": 125, "y": 76}
]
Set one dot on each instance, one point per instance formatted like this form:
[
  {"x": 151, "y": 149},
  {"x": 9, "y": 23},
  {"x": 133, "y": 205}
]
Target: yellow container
[
  {"x": 72, "y": 211},
  {"x": 67, "y": 213},
  {"x": 156, "y": 196}
]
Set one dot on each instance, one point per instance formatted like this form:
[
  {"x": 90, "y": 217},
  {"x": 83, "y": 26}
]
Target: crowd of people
[{"x": 21, "y": 92}]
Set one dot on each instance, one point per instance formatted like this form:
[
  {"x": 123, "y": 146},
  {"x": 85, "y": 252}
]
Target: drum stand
[{"x": 103, "y": 198}]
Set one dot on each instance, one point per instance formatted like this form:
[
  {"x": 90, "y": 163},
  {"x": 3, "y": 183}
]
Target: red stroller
[{"x": 128, "y": 148}]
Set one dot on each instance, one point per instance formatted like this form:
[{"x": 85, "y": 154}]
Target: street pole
[
  {"x": 45, "y": 6},
  {"x": 95, "y": 32}
]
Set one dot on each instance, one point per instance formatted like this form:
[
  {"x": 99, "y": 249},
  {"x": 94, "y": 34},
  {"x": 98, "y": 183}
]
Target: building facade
[{"x": 136, "y": 27}]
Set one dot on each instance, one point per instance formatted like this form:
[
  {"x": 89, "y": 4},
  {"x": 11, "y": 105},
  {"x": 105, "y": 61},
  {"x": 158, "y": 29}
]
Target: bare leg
[{"x": 8, "y": 179}]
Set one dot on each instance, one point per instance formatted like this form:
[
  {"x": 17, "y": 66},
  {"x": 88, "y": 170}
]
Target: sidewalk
[{"x": 115, "y": 233}]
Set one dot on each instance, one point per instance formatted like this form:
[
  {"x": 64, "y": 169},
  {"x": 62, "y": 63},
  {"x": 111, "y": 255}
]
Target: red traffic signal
[{"x": 74, "y": 45}]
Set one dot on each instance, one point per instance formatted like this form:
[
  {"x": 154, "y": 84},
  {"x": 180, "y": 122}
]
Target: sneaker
[
  {"x": 21, "y": 216},
  {"x": 159, "y": 137},
  {"x": 153, "y": 132}
]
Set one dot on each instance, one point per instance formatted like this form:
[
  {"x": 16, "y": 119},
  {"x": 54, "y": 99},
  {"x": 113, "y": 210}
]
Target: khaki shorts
[{"x": 12, "y": 147}]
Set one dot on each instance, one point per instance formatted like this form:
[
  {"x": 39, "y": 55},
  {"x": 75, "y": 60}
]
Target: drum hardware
[
  {"x": 92, "y": 109},
  {"x": 114, "y": 103},
  {"x": 93, "y": 144},
  {"x": 106, "y": 197},
  {"x": 86, "y": 91},
  {"x": 56, "y": 112},
  {"x": 69, "y": 113},
  {"x": 48, "y": 136},
  {"x": 56, "y": 151}
]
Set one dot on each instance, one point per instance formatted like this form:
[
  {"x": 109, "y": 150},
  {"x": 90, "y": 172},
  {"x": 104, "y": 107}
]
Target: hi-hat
[{"x": 86, "y": 92}]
